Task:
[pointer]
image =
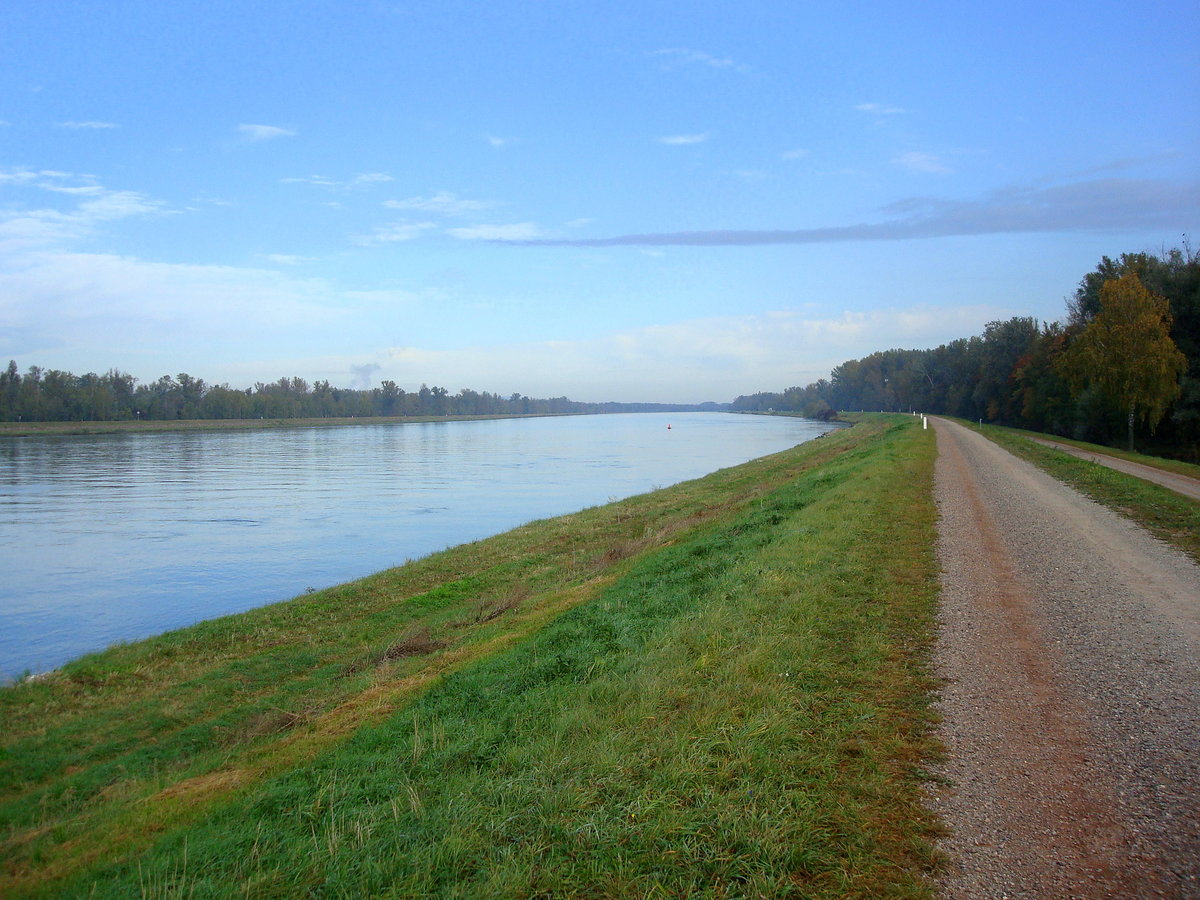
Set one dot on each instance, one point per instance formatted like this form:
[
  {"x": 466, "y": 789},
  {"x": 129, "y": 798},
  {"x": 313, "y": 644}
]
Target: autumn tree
[{"x": 1126, "y": 353}]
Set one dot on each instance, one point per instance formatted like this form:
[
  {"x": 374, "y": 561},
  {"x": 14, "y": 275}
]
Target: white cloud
[
  {"x": 325, "y": 181},
  {"x": 118, "y": 205},
  {"x": 442, "y": 203},
  {"x": 256, "y": 133},
  {"x": 880, "y": 109},
  {"x": 675, "y": 57},
  {"x": 798, "y": 153},
  {"x": 517, "y": 231},
  {"x": 212, "y": 201},
  {"x": 922, "y": 162},
  {"x": 319, "y": 180},
  {"x": 288, "y": 259},
  {"x": 580, "y": 222},
  {"x": 389, "y": 297},
  {"x": 18, "y": 176},
  {"x": 45, "y": 227},
  {"x": 498, "y": 142},
  {"x": 73, "y": 189},
  {"x": 751, "y": 174},
  {"x": 683, "y": 139},
  {"x": 52, "y": 180},
  {"x": 90, "y": 124},
  {"x": 395, "y": 232}
]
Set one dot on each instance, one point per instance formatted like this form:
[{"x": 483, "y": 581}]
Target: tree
[
  {"x": 1126, "y": 353},
  {"x": 1004, "y": 344},
  {"x": 1085, "y": 305},
  {"x": 10, "y": 392}
]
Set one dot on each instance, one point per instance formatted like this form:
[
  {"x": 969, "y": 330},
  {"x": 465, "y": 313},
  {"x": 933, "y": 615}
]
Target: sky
[{"x": 634, "y": 201}]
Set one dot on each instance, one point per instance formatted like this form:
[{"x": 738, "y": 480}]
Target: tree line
[
  {"x": 47, "y": 395},
  {"x": 1125, "y": 361}
]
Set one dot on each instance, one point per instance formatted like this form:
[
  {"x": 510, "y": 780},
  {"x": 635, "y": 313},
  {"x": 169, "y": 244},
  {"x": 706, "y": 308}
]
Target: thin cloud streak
[
  {"x": 680, "y": 140},
  {"x": 89, "y": 124},
  {"x": 256, "y": 133},
  {"x": 324, "y": 181},
  {"x": 443, "y": 203},
  {"x": 1099, "y": 205},
  {"x": 880, "y": 109},
  {"x": 396, "y": 232},
  {"x": 928, "y": 163},
  {"x": 514, "y": 232},
  {"x": 675, "y": 57}
]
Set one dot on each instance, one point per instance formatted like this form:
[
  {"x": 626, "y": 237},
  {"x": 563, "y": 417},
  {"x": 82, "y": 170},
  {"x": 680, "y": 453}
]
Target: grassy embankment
[
  {"x": 141, "y": 426},
  {"x": 1167, "y": 515},
  {"x": 717, "y": 689}
]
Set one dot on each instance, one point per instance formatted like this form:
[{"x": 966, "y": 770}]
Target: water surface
[{"x": 107, "y": 538}]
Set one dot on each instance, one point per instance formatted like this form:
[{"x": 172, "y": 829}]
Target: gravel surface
[
  {"x": 1070, "y": 653},
  {"x": 1182, "y": 484}
]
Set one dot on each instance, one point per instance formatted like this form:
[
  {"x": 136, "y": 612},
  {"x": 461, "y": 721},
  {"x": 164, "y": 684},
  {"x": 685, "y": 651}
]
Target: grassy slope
[
  {"x": 1167, "y": 515},
  {"x": 719, "y": 689}
]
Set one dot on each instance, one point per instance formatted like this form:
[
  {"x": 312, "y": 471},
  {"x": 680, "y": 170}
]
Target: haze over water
[{"x": 117, "y": 537}]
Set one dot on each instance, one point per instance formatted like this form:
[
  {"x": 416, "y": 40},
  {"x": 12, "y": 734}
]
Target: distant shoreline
[{"x": 143, "y": 426}]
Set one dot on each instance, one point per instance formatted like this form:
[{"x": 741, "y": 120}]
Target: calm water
[{"x": 117, "y": 537}]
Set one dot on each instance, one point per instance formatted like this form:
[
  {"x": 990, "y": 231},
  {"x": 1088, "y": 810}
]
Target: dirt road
[
  {"x": 1070, "y": 649},
  {"x": 1181, "y": 484}
]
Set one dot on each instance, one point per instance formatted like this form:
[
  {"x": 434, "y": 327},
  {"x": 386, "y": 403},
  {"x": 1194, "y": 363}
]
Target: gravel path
[
  {"x": 1070, "y": 650},
  {"x": 1181, "y": 484}
]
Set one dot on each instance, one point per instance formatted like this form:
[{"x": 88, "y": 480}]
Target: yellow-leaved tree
[{"x": 1126, "y": 353}]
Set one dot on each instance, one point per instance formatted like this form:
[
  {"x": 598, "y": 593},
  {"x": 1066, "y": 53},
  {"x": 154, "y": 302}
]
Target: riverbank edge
[{"x": 598, "y": 545}]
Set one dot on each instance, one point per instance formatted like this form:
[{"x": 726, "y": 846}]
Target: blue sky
[{"x": 634, "y": 201}]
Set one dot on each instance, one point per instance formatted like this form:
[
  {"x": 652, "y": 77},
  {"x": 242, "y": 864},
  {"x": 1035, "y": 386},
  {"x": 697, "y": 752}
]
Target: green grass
[
  {"x": 1169, "y": 516},
  {"x": 719, "y": 689}
]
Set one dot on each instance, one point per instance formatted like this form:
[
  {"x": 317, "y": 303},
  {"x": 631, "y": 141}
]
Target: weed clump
[
  {"x": 267, "y": 723},
  {"x": 488, "y": 610},
  {"x": 417, "y": 641}
]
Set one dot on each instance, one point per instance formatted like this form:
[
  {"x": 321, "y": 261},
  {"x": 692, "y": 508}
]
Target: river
[{"x": 111, "y": 538}]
